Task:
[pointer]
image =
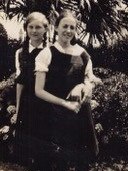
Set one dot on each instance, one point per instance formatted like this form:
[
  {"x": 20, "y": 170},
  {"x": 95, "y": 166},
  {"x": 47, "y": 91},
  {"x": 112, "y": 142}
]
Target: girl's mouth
[
  {"x": 35, "y": 35},
  {"x": 68, "y": 35}
]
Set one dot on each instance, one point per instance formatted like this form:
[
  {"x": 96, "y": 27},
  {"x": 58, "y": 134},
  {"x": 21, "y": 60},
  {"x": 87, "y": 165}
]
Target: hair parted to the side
[
  {"x": 66, "y": 13},
  {"x": 35, "y": 16}
]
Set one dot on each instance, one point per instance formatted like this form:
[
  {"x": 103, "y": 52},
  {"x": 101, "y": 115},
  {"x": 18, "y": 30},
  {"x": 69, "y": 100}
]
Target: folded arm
[{"x": 46, "y": 96}]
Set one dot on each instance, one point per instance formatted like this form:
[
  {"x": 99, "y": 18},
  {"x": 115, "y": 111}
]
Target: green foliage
[
  {"x": 13, "y": 45},
  {"x": 11, "y": 167},
  {"x": 97, "y": 17},
  {"x": 114, "y": 58},
  {"x": 3, "y": 52},
  {"x": 112, "y": 112},
  {"x": 3, "y": 33}
]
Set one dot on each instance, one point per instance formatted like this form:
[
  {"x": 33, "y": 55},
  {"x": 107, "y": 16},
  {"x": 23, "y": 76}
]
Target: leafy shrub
[
  {"x": 8, "y": 48},
  {"x": 7, "y": 109},
  {"x": 11, "y": 167},
  {"x": 13, "y": 45},
  {"x": 3, "y": 32},
  {"x": 112, "y": 111},
  {"x": 3, "y": 52},
  {"x": 115, "y": 57}
]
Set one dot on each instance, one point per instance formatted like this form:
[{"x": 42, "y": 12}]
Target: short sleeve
[
  {"x": 43, "y": 60},
  {"x": 20, "y": 77},
  {"x": 89, "y": 71},
  {"x": 17, "y": 64}
]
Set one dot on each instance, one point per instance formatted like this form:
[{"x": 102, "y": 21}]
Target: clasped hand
[
  {"x": 14, "y": 119},
  {"x": 80, "y": 94},
  {"x": 73, "y": 105}
]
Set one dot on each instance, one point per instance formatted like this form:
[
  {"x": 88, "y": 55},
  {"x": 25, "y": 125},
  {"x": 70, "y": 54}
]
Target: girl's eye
[
  {"x": 30, "y": 27},
  {"x": 72, "y": 27},
  {"x": 65, "y": 26},
  {"x": 45, "y": 25},
  {"x": 36, "y": 27}
]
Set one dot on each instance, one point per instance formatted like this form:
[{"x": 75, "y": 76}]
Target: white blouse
[
  {"x": 17, "y": 64},
  {"x": 43, "y": 59}
]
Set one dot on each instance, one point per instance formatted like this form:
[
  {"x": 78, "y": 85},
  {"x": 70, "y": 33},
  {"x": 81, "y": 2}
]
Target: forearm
[
  {"x": 42, "y": 93},
  {"x": 46, "y": 96},
  {"x": 90, "y": 77},
  {"x": 19, "y": 89}
]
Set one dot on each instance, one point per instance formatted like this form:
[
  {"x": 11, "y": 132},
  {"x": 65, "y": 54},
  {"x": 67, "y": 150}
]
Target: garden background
[{"x": 102, "y": 30}]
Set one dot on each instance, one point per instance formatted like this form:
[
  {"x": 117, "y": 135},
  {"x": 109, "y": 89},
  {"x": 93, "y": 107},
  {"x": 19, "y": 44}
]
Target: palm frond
[{"x": 98, "y": 18}]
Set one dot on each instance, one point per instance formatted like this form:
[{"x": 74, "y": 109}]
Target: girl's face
[
  {"x": 66, "y": 29},
  {"x": 36, "y": 30}
]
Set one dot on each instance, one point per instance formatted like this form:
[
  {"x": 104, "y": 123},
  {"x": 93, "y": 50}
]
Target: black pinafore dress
[
  {"x": 73, "y": 133},
  {"x": 26, "y": 138}
]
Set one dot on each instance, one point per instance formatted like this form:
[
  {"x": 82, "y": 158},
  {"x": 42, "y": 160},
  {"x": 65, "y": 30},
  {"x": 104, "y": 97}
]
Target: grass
[{"x": 11, "y": 167}]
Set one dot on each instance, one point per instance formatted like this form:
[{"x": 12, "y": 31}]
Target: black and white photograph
[{"x": 63, "y": 85}]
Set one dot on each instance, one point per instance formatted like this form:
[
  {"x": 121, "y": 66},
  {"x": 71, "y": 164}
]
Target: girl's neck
[
  {"x": 64, "y": 45},
  {"x": 35, "y": 43}
]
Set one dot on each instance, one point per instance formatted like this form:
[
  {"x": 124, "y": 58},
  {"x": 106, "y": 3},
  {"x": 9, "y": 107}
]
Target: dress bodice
[
  {"x": 27, "y": 67},
  {"x": 65, "y": 71}
]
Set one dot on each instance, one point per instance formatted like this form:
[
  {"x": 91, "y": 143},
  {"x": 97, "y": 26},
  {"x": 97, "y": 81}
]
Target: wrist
[
  {"x": 64, "y": 103},
  {"x": 81, "y": 85},
  {"x": 89, "y": 83}
]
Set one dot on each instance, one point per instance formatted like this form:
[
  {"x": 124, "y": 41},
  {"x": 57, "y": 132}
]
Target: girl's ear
[{"x": 46, "y": 26}]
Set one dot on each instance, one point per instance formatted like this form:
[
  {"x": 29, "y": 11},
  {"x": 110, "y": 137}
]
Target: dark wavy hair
[{"x": 65, "y": 13}]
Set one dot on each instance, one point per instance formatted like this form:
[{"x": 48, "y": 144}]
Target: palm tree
[
  {"x": 99, "y": 20},
  {"x": 21, "y": 8}
]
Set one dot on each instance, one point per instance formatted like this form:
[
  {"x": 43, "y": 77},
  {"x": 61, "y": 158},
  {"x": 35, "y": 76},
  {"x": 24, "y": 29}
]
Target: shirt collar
[
  {"x": 31, "y": 48},
  {"x": 59, "y": 47},
  {"x": 77, "y": 50}
]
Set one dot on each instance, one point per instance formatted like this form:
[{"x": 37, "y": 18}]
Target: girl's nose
[
  {"x": 68, "y": 29},
  {"x": 34, "y": 29}
]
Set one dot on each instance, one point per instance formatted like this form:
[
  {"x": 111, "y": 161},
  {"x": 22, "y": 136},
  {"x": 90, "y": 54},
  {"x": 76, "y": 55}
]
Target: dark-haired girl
[
  {"x": 67, "y": 67},
  {"x": 26, "y": 116}
]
